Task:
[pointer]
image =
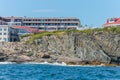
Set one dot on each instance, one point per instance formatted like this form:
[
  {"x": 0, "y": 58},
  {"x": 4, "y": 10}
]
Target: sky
[{"x": 90, "y": 12}]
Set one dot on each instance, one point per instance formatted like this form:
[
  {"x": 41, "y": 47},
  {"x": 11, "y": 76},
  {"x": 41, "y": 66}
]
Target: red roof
[
  {"x": 116, "y": 21},
  {"x": 28, "y": 28}
]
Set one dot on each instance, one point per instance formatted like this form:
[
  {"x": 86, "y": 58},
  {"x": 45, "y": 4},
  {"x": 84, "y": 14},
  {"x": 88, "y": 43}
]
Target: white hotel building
[
  {"x": 43, "y": 23},
  {"x": 11, "y": 26},
  {"x": 8, "y": 34}
]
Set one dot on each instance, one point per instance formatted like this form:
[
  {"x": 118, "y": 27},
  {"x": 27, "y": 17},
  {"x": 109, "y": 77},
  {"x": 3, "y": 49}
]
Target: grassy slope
[{"x": 87, "y": 31}]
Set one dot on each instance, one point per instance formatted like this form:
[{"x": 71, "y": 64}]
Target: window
[
  {"x": 17, "y": 24},
  {"x": 5, "y": 29},
  {"x": 112, "y": 20},
  {"x": 0, "y": 33},
  {"x": 0, "y": 29},
  {"x": 5, "y": 33},
  {"x": 0, "y": 38},
  {"x": 5, "y": 39},
  {"x": 8, "y": 20}
]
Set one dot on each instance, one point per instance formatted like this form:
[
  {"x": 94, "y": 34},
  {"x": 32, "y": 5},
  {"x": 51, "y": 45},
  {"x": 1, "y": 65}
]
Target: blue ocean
[{"x": 57, "y": 72}]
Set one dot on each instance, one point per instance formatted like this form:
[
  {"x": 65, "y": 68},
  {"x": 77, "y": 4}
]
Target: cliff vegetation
[{"x": 63, "y": 32}]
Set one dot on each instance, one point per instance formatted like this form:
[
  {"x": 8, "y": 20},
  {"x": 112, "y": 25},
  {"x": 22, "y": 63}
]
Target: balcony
[{"x": 51, "y": 22}]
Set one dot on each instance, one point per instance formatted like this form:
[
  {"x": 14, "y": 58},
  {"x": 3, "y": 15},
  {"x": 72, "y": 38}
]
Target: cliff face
[
  {"x": 82, "y": 47},
  {"x": 73, "y": 48}
]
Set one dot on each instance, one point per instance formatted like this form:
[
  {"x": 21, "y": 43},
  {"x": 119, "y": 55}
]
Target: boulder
[
  {"x": 19, "y": 58},
  {"x": 3, "y": 57},
  {"x": 44, "y": 55}
]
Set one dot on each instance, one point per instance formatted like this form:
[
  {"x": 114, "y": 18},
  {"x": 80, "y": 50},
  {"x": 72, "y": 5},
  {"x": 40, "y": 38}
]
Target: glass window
[
  {"x": 0, "y": 38},
  {"x": 5, "y": 33},
  {"x": 112, "y": 19},
  {"x": 8, "y": 20},
  {"x": 5, "y": 39},
  {"x": 0, "y": 29},
  {"x": 0, "y": 33},
  {"x": 5, "y": 29}
]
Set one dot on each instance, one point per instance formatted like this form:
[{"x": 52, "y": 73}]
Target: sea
[{"x": 31, "y": 71}]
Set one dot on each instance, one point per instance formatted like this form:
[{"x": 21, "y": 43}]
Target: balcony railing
[{"x": 51, "y": 22}]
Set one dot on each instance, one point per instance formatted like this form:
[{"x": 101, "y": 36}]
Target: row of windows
[
  {"x": 15, "y": 24},
  {"x": 50, "y": 24},
  {"x": 3, "y": 29},
  {"x": 20, "y": 20},
  {"x": 22, "y": 31},
  {"x": 15, "y": 20},
  {"x": 50, "y": 20},
  {"x": 3, "y": 33},
  {"x": 10, "y": 33},
  {"x": 5, "y": 39},
  {"x": 8, "y": 20}
]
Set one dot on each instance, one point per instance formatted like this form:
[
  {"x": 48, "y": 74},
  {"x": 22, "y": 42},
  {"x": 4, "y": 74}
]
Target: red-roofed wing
[
  {"x": 28, "y": 29},
  {"x": 116, "y": 22}
]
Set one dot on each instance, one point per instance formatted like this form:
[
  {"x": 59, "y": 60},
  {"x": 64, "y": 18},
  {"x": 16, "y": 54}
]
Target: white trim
[{"x": 110, "y": 25}]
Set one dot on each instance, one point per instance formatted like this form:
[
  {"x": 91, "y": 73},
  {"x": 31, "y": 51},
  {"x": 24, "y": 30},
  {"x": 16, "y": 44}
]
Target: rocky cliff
[
  {"x": 85, "y": 48},
  {"x": 72, "y": 48}
]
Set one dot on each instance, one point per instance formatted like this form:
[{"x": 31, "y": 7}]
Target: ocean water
[{"x": 57, "y": 72}]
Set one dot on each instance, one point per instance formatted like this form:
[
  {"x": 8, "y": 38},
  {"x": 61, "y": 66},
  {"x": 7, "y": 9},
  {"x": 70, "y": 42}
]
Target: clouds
[{"x": 44, "y": 11}]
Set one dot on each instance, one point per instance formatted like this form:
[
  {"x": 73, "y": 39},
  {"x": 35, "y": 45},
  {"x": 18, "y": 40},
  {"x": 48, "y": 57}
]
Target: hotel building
[
  {"x": 49, "y": 24},
  {"x": 8, "y": 34},
  {"x": 3, "y": 21},
  {"x": 11, "y": 27}
]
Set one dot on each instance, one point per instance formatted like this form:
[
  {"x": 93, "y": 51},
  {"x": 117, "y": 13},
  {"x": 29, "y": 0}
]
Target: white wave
[
  {"x": 61, "y": 64},
  {"x": 6, "y": 62},
  {"x": 86, "y": 65},
  {"x": 56, "y": 63},
  {"x": 45, "y": 62}
]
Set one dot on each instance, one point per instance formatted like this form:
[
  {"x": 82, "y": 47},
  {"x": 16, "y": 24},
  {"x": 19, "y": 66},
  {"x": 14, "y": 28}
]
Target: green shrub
[
  {"x": 113, "y": 29},
  {"x": 26, "y": 35}
]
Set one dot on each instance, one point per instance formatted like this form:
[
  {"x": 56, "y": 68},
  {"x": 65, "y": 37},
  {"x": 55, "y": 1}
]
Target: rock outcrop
[
  {"x": 44, "y": 55},
  {"x": 3, "y": 57},
  {"x": 72, "y": 48},
  {"x": 103, "y": 47}
]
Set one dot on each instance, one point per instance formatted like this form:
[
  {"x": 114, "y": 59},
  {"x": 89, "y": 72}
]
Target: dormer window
[{"x": 111, "y": 20}]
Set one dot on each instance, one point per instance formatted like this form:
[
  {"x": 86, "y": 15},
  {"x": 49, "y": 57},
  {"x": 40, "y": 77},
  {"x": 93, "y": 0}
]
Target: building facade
[
  {"x": 8, "y": 34},
  {"x": 112, "y": 22},
  {"x": 49, "y": 24},
  {"x": 23, "y": 30},
  {"x": 27, "y": 25},
  {"x": 3, "y": 21}
]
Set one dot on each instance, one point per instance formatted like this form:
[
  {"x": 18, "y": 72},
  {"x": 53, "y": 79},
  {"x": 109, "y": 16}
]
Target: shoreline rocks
[{"x": 73, "y": 48}]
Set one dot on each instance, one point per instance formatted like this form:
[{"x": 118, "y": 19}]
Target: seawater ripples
[{"x": 54, "y": 72}]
